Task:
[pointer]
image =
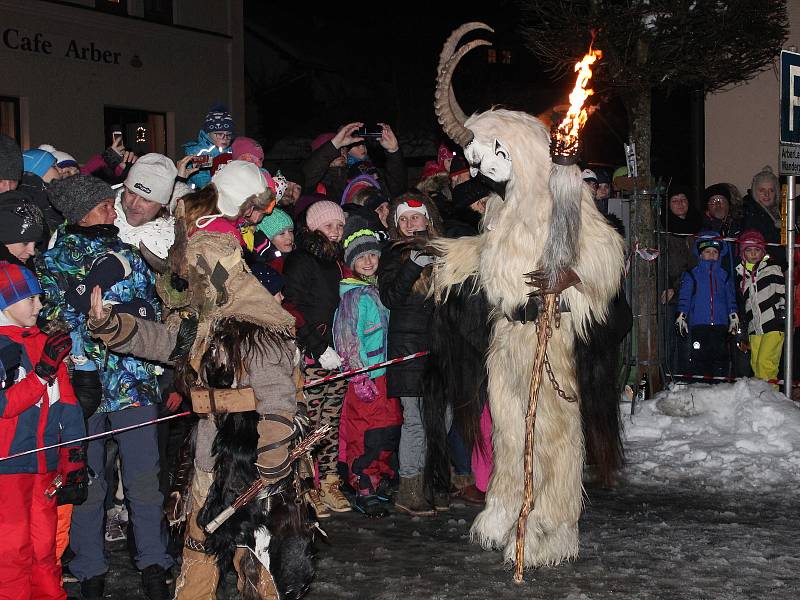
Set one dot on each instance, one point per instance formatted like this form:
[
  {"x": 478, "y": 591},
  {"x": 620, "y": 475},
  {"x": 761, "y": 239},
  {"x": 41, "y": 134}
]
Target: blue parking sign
[{"x": 790, "y": 97}]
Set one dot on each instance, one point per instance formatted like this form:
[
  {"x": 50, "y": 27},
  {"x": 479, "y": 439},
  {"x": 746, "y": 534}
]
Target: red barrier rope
[{"x": 307, "y": 384}]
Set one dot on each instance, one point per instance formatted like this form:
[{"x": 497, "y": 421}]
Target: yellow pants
[{"x": 765, "y": 354}]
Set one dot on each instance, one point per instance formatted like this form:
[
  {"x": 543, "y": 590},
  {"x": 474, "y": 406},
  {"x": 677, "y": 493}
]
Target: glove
[
  {"x": 418, "y": 257},
  {"x": 74, "y": 474},
  {"x": 329, "y": 360},
  {"x": 55, "y": 350},
  {"x": 108, "y": 269},
  {"x": 88, "y": 390},
  {"x": 364, "y": 387},
  {"x": 733, "y": 323},
  {"x": 178, "y": 283},
  {"x": 681, "y": 325},
  {"x": 137, "y": 307}
]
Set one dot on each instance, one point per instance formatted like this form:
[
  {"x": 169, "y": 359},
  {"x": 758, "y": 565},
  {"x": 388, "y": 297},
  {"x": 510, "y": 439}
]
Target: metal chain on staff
[{"x": 544, "y": 331}]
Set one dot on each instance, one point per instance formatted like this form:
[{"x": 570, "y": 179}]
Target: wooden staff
[
  {"x": 259, "y": 484},
  {"x": 542, "y": 327}
]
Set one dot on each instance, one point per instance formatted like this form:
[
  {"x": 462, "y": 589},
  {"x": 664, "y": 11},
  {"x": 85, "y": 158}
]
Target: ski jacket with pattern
[{"x": 763, "y": 295}]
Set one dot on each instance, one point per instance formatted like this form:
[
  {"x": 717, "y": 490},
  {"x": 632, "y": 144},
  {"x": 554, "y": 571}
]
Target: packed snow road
[
  {"x": 706, "y": 509},
  {"x": 637, "y": 542}
]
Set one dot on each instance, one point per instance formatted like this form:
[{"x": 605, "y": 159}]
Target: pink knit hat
[
  {"x": 323, "y": 212},
  {"x": 246, "y": 145},
  {"x": 320, "y": 140}
]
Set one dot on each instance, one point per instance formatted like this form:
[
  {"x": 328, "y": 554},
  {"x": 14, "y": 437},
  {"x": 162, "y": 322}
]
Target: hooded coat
[{"x": 707, "y": 294}]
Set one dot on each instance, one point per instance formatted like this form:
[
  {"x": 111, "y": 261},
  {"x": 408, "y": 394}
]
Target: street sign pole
[
  {"x": 788, "y": 349},
  {"x": 789, "y": 164}
]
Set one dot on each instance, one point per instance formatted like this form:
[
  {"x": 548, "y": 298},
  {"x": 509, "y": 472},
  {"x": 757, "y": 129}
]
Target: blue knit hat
[
  {"x": 275, "y": 223},
  {"x": 218, "y": 119},
  {"x": 37, "y": 161},
  {"x": 16, "y": 283}
]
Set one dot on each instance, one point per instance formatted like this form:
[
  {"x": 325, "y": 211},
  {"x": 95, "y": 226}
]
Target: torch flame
[{"x": 566, "y": 134}]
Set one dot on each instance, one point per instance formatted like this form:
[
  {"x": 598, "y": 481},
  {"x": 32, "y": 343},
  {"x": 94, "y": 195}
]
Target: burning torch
[{"x": 566, "y": 187}]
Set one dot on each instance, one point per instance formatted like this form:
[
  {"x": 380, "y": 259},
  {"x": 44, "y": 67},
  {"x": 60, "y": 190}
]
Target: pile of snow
[{"x": 732, "y": 436}]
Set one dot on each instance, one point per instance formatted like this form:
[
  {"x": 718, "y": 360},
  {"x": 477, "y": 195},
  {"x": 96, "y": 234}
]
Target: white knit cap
[
  {"x": 152, "y": 177},
  {"x": 63, "y": 157},
  {"x": 237, "y": 182}
]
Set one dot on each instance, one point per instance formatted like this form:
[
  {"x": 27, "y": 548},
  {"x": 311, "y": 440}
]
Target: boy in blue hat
[
  {"x": 707, "y": 308},
  {"x": 38, "y": 408}
]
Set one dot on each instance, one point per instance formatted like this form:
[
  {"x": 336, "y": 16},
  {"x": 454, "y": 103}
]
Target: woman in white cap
[{"x": 238, "y": 197}]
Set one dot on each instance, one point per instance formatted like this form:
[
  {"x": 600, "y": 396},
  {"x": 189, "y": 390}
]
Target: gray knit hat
[
  {"x": 358, "y": 239},
  {"x": 10, "y": 159},
  {"x": 76, "y": 196}
]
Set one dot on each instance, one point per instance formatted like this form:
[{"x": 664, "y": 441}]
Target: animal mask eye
[{"x": 500, "y": 151}]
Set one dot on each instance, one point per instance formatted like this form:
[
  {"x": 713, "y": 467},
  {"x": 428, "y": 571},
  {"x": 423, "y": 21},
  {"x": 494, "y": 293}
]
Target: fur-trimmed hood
[{"x": 435, "y": 228}]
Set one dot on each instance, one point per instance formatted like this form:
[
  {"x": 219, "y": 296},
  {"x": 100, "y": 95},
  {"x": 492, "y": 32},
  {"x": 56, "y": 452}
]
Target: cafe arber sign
[{"x": 37, "y": 43}]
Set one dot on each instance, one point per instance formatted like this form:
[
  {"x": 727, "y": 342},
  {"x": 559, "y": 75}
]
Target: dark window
[
  {"x": 159, "y": 11},
  {"x": 491, "y": 56},
  {"x": 118, "y": 7},
  {"x": 142, "y": 131},
  {"x": 9, "y": 117}
]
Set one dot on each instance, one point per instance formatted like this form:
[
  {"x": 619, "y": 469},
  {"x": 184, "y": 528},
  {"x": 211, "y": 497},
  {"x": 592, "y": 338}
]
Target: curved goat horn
[
  {"x": 448, "y": 50},
  {"x": 155, "y": 262},
  {"x": 452, "y": 123}
]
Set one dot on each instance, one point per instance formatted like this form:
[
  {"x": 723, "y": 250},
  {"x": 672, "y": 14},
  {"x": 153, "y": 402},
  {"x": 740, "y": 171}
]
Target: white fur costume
[{"x": 514, "y": 242}]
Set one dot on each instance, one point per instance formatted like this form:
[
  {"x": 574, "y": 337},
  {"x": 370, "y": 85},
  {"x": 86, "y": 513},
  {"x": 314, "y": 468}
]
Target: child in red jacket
[{"x": 37, "y": 408}]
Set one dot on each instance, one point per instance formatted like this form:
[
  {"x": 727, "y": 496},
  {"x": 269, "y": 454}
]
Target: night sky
[{"x": 346, "y": 61}]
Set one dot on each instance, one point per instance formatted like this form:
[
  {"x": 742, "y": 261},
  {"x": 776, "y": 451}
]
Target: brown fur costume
[{"x": 242, "y": 339}]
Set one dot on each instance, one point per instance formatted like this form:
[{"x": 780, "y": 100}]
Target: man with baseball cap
[{"x": 143, "y": 202}]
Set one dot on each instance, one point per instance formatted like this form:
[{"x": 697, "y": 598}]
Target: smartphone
[
  {"x": 369, "y": 130},
  {"x": 202, "y": 160},
  {"x": 116, "y": 138}
]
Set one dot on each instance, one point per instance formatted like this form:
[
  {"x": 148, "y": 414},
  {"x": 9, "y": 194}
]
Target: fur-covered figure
[
  {"x": 534, "y": 223},
  {"x": 228, "y": 334}
]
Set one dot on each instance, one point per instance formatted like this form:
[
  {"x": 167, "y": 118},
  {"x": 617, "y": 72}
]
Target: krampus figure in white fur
[{"x": 541, "y": 219}]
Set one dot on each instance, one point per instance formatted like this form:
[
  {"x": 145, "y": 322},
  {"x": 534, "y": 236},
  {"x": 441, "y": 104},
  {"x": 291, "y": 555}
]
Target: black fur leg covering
[
  {"x": 234, "y": 470},
  {"x": 455, "y": 377},
  {"x": 597, "y": 369},
  {"x": 291, "y": 547}
]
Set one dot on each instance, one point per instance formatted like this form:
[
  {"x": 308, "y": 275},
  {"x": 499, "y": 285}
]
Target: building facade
[
  {"x": 74, "y": 72},
  {"x": 742, "y": 124}
]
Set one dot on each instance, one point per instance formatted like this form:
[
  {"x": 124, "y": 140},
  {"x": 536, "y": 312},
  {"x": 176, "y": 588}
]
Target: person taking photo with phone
[
  {"x": 334, "y": 159},
  {"x": 213, "y": 139}
]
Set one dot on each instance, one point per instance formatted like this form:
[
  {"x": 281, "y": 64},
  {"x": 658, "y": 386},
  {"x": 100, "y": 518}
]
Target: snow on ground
[
  {"x": 705, "y": 510},
  {"x": 741, "y": 436}
]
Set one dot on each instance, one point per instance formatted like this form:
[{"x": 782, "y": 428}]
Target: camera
[{"x": 369, "y": 130}]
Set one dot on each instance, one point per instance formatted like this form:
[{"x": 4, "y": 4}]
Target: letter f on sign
[{"x": 794, "y": 93}]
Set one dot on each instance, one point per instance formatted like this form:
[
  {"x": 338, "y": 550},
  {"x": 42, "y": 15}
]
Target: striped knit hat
[
  {"x": 358, "y": 240},
  {"x": 16, "y": 283}
]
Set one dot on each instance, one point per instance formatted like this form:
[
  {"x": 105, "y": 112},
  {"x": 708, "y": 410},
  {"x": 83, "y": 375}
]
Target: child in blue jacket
[
  {"x": 37, "y": 408},
  {"x": 707, "y": 308}
]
